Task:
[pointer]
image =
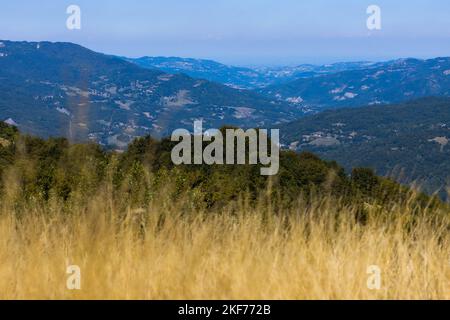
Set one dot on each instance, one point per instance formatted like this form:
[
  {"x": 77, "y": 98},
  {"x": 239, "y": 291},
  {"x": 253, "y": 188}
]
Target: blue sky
[{"x": 242, "y": 32}]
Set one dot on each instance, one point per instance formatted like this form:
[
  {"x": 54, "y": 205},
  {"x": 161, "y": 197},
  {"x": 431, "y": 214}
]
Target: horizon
[
  {"x": 237, "y": 65},
  {"x": 254, "y": 33}
]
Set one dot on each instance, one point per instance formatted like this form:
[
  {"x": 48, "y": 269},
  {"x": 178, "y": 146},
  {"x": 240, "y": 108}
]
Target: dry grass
[{"x": 168, "y": 251}]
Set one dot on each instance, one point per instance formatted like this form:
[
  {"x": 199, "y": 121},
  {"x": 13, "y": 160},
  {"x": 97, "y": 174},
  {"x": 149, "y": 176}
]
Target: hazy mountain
[
  {"x": 65, "y": 89},
  {"x": 236, "y": 77},
  {"x": 381, "y": 83},
  {"x": 409, "y": 141},
  {"x": 239, "y": 77}
]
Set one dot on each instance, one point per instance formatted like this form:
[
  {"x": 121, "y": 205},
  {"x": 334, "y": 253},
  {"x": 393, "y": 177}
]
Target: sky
[{"x": 239, "y": 32}]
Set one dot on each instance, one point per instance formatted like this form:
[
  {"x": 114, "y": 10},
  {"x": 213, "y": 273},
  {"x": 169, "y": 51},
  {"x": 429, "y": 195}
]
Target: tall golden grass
[{"x": 172, "y": 251}]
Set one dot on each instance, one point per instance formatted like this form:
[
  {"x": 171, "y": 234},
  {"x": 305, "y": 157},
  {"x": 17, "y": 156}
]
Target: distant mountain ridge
[
  {"x": 64, "y": 89},
  {"x": 242, "y": 77}
]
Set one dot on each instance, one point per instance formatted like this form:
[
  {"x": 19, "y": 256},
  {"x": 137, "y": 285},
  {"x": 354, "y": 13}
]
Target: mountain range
[
  {"x": 250, "y": 78},
  {"x": 379, "y": 83},
  {"x": 314, "y": 88},
  {"x": 380, "y": 115},
  {"x": 235, "y": 77},
  {"x": 63, "y": 89},
  {"x": 407, "y": 141}
]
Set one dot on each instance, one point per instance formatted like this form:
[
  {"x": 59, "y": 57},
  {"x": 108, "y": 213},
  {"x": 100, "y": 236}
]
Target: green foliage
[
  {"x": 408, "y": 142},
  {"x": 54, "y": 169}
]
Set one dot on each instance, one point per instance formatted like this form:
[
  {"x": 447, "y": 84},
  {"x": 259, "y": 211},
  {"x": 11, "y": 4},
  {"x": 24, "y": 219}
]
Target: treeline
[{"x": 38, "y": 171}]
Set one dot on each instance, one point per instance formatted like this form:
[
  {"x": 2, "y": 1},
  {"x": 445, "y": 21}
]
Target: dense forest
[{"x": 38, "y": 170}]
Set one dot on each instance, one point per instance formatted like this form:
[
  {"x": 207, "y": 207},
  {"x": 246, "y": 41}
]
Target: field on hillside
[{"x": 170, "y": 250}]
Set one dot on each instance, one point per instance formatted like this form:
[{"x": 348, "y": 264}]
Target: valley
[
  {"x": 62, "y": 89},
  {"x": 407, "y": 141},
  {"x": 356, "y": 113}
]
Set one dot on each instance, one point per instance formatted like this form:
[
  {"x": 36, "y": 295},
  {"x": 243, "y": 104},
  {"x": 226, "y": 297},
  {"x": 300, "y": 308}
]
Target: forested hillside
[
  {"x": 63, "y": 89},
  {"x": 407, "y": 141}
]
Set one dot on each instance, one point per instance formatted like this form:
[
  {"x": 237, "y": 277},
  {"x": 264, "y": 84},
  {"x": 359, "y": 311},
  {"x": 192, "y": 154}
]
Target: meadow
[{"x": 169, "y": 251}]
